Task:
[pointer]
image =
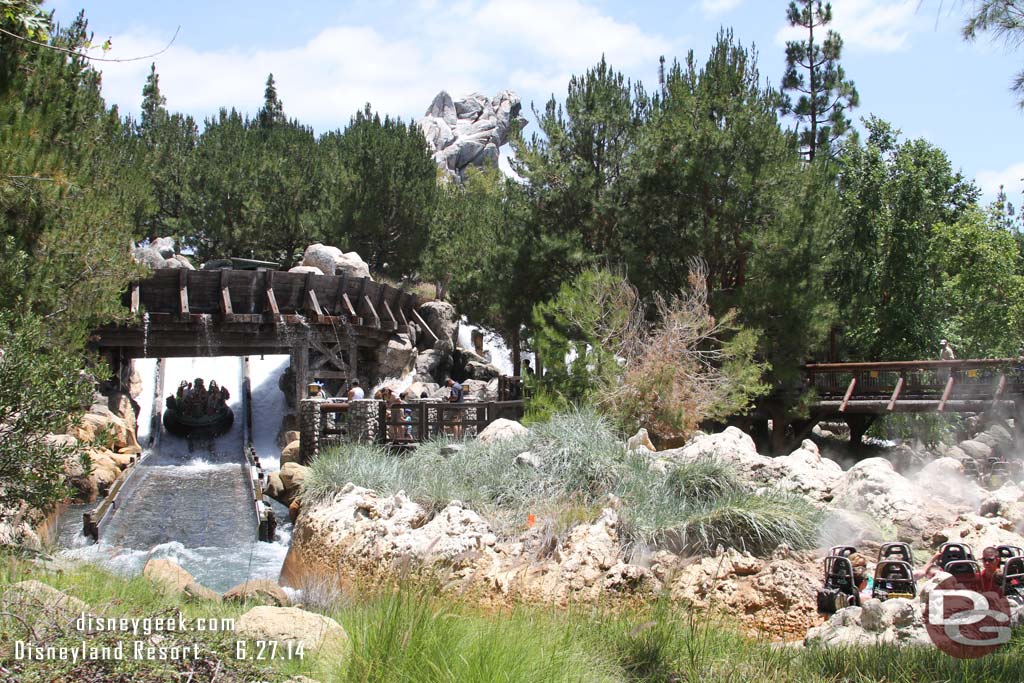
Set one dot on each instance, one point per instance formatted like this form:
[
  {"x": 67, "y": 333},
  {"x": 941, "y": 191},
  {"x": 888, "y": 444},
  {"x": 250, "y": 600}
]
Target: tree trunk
[{"x": 516, "y": 353}]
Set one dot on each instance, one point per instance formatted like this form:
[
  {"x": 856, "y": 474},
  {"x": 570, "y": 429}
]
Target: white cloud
[
  {"x": 873, "y": 25},
  {"x": 1010, "y": 178},
  {"x": 531, "y": 47},
  {"x": 713, "y": 7}
]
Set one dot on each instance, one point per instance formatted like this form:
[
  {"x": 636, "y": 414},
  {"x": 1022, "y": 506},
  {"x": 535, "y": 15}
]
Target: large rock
[
  {"x": 469, "y": 131},
  {"x": 503, "y": 430},
  {"x": 894, "y": 622},
  {"x": 290, "y": 626},
  {"x": 397, "y": 358},
  {"x": 359, "y": 530},
  {"x": 976, "y": 450},
  {"x": 913, "y": 513},
  {"x": 258, "y": 590},
  {"x": 159, "y": 254},
  {"x": 432, "y": 365},
  {"x": 292, "y": 475},
  {"x": 442, "y": 320},
  {"x": 332, "y": 261},
  {"x": 291, "y": 452},
  {"x": 806, "y": 473},
  {"x": 168, "y": 574},
  {"x": 774, "y": 594}
]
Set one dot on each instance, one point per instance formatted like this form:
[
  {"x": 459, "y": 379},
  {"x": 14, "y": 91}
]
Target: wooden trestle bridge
[
  {"x": 859, "y": 393},
  {"x": 331, "y": 326}
]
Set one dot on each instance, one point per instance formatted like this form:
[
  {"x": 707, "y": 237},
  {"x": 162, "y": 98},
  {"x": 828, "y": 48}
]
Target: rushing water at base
[{"x": 189, "y": 501}]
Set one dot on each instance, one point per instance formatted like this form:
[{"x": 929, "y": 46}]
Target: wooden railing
[{"x": 934, "y": 381}]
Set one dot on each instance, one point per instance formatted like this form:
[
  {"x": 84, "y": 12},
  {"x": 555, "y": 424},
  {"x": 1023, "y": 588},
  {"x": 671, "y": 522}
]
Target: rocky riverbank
[{"x": 359, "y": 533}]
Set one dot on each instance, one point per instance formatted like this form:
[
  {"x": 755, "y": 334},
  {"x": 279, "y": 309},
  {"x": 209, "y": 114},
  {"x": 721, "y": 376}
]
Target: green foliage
[
  {"x": 380, "y": 205},
  {"x": 40, "y": 392},
  {"x": 716, "y": 178},
  {"x": 982, "y": 290},
  {"x": 824, "y": 94},
  {"x": 582, "y": 322},
  {"x": 253, "y": 189},
  {"x": 71, "y": 188},
  {"x": 898, "y": 203}
]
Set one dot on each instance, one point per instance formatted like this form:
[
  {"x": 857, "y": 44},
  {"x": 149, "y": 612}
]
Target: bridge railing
[{"x": 930, "y": 380}]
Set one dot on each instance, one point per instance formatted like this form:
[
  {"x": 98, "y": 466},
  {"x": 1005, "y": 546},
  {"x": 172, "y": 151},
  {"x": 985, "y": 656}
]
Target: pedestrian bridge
[{"x": 859, "y": 393}]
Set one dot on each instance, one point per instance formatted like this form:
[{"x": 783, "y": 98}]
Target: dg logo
[{"x": 964, "y": 623}]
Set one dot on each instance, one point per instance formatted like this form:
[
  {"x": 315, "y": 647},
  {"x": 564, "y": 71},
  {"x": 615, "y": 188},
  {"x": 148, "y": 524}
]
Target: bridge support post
[{"x": 309, "y": 430}]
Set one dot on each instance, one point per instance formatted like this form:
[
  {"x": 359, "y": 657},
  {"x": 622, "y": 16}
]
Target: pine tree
[
  {"x": 813, "y": 71},
  {"x": 152, "y": 101},
  {"x": 272, "y": 112}
]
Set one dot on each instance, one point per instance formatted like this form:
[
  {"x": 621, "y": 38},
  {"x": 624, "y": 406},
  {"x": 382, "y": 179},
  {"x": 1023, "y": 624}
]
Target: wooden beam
[
  {"x": 391, "y": 316},
  {"x": 271, "y": 299},
  {"x": 341, "y": 293},
  {"x": 183, "y": 292},
  {"x": 312, "y": 304},
  {"x": 135, "y": 298},
  {"x": 945, "y": 394},
  {"x": 225, "y": 294},
  {"x": 1000, "y": 388},
  {"x": 362, "y": 289},
  {"x": 373, "y": 311},
  {"x": 349, "y": 308},
  {"x": 419, "y": 319},
  {"x": 849, "y": 393},
  {"x": 896, "y": 393}
]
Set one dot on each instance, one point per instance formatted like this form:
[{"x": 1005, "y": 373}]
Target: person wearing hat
[
  {"x": 861, "y": 578},
  {"x": 946, "y": 351}
]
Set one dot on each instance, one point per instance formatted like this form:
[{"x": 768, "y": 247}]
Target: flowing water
[{"x": 190, "y": 501}]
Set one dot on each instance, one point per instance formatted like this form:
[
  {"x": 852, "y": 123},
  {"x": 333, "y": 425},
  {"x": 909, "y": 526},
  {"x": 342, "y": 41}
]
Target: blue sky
[{"x": 329, "y": 58}]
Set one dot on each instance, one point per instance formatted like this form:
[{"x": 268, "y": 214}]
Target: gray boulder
[
  {"x": 976, "y": 449},
  {"x": 443, "y": 321},
  {"x": 163, "y": 246},
  {"x": 332, "y": 261}
]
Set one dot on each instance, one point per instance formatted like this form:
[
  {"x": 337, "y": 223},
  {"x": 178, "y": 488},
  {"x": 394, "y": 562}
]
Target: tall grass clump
[{"x": 578, "y": 462}]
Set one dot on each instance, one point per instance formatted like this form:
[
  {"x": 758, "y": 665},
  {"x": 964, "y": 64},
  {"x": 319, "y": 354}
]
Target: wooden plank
[
  {"x": 135, "y": 298},
  {"x": 225, "y": 294},
  {"x": 896, "y": 393},
  {"x": 945, "y": 394},
  {"x": 849, "y": 393},
  {"x": 373, "y": 311},
  {"x": 183, "y": 292},
  {"x": 419, "y": 319},
  {"x": 271, "y": 299}
]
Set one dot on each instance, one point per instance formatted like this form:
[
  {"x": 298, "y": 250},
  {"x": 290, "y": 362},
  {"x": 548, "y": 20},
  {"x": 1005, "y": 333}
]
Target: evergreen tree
[
  {"x": 379, "y": 191},
  {"x": 715, "y": 177},
  {"x": 169, "y": 140},
  {"x": 576, "y": 164},
  {"x": 272, "y": 113},
  {"x": 153, "y": 109},
  {"x": 824, "y": 94}
]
